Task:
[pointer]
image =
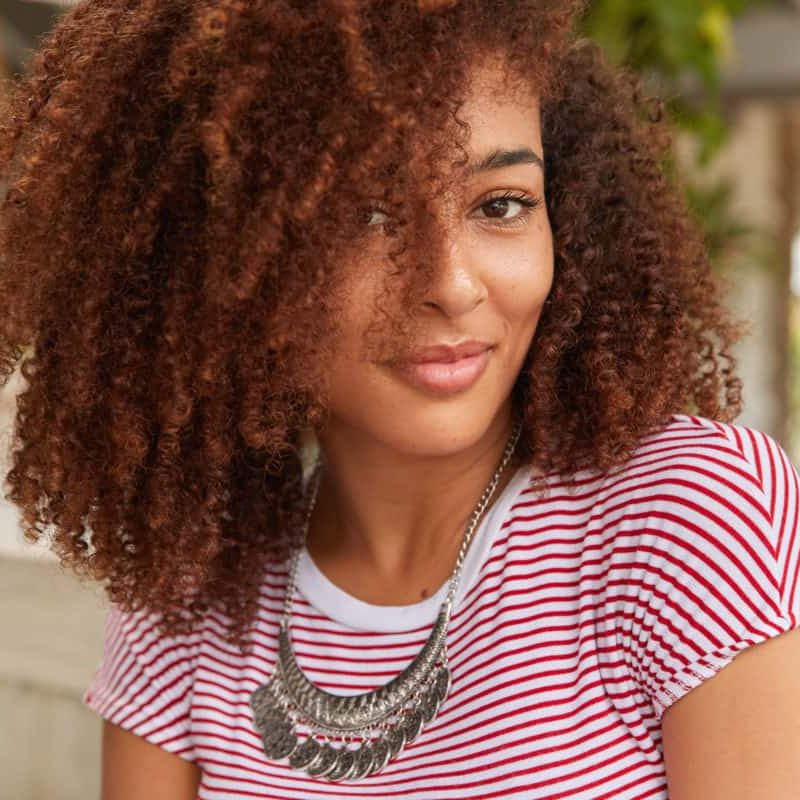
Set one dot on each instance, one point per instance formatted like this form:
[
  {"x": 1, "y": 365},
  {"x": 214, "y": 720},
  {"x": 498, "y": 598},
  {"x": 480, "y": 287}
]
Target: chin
[{"x": 434, "y": 432}]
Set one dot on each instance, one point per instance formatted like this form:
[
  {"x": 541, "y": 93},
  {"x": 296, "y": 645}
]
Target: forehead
[
  {"x": 501, "y": 110},
  {"x": 503, "y": 128}
]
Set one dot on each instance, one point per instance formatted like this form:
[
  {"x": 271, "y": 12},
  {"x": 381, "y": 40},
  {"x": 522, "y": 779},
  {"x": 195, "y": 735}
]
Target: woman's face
[{"x": 489, "y": 283}]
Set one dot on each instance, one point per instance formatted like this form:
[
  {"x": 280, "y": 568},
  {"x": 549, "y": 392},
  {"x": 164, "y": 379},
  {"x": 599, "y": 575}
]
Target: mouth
[
  {"x": 450, "y": 375},
  {"x": 447, "y": 353}
]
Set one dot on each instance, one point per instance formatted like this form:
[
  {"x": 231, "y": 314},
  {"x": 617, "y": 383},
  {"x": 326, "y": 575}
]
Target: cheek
[{"x": 522, "y": 279}]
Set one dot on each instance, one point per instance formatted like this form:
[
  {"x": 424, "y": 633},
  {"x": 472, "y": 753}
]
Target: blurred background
[{"x": 729, "y": 72}]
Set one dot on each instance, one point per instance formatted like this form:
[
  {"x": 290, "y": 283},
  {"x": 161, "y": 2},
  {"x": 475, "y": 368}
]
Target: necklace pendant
[{"x": 328, "y": 752}]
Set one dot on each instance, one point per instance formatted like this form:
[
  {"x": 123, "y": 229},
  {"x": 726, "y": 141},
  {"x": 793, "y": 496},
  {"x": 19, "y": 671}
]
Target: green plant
[{"x": 679, "y": 47}]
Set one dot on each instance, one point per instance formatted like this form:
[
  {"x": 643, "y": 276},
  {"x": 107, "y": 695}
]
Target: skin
[
  {"x": 404, "y": 467},
  {"x": 737, "y": 735},
  {"x": 135, "y": 769},
  {"x": 405, "y": 470}
]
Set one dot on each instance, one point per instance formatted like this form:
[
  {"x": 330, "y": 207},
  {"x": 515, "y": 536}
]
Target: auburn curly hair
[{"x": 180, "y": 177}]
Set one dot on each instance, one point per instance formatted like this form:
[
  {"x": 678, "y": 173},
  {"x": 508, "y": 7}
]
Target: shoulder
[
  {"x": 145, "y": 679},
  {"x": 708, "y": 495},
  {"x": 140, "y": 633},
  {"x": 687, "y": 441},
  {"x": 711, "y": 467}
]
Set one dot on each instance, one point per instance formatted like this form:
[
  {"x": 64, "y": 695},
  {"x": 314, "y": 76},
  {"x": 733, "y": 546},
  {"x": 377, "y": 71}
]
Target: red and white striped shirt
[{"x": 581, "y": 616}]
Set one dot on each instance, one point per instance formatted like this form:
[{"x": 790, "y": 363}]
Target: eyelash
[{"x": 528, "y": 203}]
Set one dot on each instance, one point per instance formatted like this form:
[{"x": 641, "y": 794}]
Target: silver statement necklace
[{"x": 350, "y": 737}]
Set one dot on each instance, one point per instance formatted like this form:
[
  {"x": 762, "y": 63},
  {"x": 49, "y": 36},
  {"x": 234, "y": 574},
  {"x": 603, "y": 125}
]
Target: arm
[
  {"x": 135, "y": 769},
  {"x": 737, "y": 736}
]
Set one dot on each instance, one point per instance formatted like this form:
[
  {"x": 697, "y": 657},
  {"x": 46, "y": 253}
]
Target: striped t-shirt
[{"x": 582, "y": 614}]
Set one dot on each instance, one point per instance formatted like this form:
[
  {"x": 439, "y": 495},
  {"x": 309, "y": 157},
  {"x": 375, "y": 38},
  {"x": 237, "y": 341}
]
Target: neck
[{"x": 387, "y": 526}]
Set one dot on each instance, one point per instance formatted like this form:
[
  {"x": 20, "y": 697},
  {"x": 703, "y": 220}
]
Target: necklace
[{"x": 350, "y": 737}]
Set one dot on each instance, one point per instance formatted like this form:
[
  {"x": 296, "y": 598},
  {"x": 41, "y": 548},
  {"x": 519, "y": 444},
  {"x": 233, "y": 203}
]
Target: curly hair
[{"x": 181, "y": 179}]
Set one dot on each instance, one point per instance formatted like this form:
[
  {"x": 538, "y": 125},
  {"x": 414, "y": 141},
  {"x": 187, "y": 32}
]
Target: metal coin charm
[
  {"x": 323, "y": 763},
  {"x": 381, "y": 753},
  {"x": 345, "y": 762},
  {"x": 396, "y": 739},
  {"x": 363, "y": 763},
  {"x": 265, "y": 704},
  {"x": 441, "y": 683},
  {"x": 305, "y": 754},
  {"x": 412, "y": 725},
  {"x": 429, "y": 705},
  {"x": 279, "y": 741}
]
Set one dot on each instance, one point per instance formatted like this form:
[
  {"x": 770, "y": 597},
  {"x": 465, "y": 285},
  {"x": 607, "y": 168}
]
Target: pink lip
[
  {"x": 445, "y": 377},
  {"x": 445, "y": 353}
]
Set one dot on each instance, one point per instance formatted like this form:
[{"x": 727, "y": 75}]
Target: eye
[
  {"x": 508, "y": 208},
  {"x": 375, "y": 216}
]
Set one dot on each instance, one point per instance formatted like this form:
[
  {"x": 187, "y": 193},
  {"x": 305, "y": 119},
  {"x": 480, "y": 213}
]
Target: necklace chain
[{"x": 299, "y": 721}]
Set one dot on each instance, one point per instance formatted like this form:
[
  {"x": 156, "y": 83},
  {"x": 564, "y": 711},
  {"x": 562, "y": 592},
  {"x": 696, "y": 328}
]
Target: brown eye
[
  {"x": 497, "y": 208},
  {"x": 507, "y": 209}
]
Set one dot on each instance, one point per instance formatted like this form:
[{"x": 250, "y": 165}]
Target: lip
[
  {"x": 446, "y": 353},
  {"x": 445, "y": 377}
]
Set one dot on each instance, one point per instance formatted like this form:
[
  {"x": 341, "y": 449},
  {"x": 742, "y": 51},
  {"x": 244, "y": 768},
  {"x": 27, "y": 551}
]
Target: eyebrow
[{"x": 498, "y": 159}]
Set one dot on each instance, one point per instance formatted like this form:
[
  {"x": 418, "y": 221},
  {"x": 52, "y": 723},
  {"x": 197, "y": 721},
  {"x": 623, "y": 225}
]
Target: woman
[{"x": 381, "y": 377}]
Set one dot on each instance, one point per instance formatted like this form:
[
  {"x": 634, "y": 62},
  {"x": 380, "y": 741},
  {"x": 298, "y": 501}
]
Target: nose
[{"x": 457, "y": 284}]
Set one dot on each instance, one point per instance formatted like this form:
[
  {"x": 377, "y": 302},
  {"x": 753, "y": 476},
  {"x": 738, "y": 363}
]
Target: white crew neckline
[{"x": 342, "y": 607}]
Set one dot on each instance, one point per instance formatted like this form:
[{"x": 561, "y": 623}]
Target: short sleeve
[
  {"x": 708, "y": 558},
  {"x": 144, "y": 681}
]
